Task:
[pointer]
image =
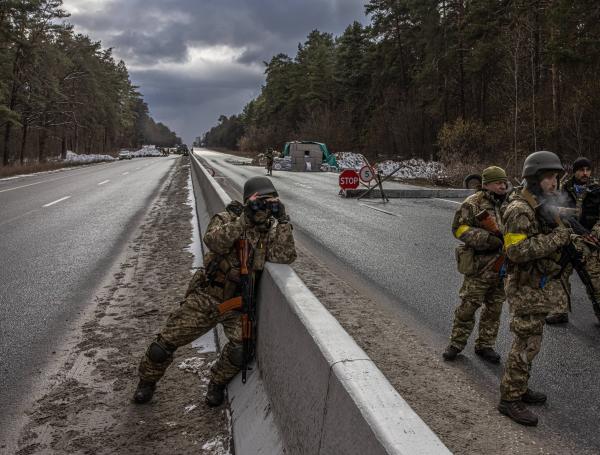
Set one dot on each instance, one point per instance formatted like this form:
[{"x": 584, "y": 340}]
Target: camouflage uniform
[
  {"x": 586, "y": 199},
  {"x": 533, "y": 287},
  {"x": 482, "y": 284},
  {"x": 217, "y": 282},
  {"x": 269, "y": 157}
]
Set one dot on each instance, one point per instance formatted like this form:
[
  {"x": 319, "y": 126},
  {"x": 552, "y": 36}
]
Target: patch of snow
[
  {"x": 189, "y": 408},
  {"x": 146, "y": 150},
  {"x": 192, "y": 365},
  {"x": 216, "y": 447},
  {"x": 75, "y": 158},
  {"x": 409, "y": 169},
  {"x": 171, "y": 424}
]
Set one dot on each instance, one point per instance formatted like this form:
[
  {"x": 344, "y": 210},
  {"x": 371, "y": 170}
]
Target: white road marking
[
  {"x": 378, "y": 209},
  {"x": 125, "y": 173},
  {"x": 23, "y": 186},
  {"x": 102, "y": 183},
  {"x": 57, "y": 201},
  {"x": 137, "y": 168},
  {"x": 447, "y": 200}
]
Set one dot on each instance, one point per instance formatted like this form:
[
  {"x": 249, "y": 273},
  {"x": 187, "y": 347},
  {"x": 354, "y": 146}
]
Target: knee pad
[
  {"x": 236, "y": 355},
  {"x": 158, "y": 353}
]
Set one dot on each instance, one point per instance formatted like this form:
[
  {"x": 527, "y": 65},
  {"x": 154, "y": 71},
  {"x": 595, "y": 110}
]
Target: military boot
[
  {"x": 215, "y": 394},
  {"x": 518, "y": 412},
  {"x": 557, "y": 318},
  {"x": 144, "y": 391},
  {"x": 532, "y": 397},
  {"x": 450, "y": 353},
  {"x": 488, "y": 354}
]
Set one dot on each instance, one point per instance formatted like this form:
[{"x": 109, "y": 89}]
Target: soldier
[
  {"x": 480, "y": 260},
  {"x": 269, "y": 156},
  {"x": 583, "y": 194},
  {"x": 263, "y": 221},
  {"x": 533, "y": 282}
]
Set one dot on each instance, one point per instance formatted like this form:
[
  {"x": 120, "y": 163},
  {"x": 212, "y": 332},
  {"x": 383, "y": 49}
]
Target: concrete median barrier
[
  {"x": 323, "y": 393},
  {"x": 458, "y": 193}
]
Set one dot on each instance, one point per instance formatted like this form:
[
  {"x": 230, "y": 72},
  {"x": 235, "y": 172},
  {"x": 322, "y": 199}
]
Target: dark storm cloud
[{"x": 149, "y": 32}]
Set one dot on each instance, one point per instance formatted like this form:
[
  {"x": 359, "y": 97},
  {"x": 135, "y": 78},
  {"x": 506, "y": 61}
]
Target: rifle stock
[{"x": 489, "y": 224}]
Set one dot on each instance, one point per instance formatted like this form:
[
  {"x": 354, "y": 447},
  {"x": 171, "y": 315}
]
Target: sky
[{"x": 197, "y": 59}]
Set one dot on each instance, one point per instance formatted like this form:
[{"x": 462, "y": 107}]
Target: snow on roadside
[
  {"x": 216, "y": 446},
  {"x": 75, "y": 158},
  {"x": 409, "y": 169}
]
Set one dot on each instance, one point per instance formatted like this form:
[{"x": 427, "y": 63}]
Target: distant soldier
[
  {"x": 269, "y": 157},
  {"x": 263, "y": 222},
  {"x": 534, "y": 280},
  {"x": 477, "y": 224},
  {"x": 582, "y": 194}
]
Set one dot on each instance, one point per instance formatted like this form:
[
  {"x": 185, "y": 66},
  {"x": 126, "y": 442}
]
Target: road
[
  {"x": 59, "y": 235},
  {"x": 407, "y": 256}
]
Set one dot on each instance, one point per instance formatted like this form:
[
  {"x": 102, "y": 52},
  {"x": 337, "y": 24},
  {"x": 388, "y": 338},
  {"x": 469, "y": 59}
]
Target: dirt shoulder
[
  {"x": 445, "y": 397},
  {"x": 86, "y": 407}
]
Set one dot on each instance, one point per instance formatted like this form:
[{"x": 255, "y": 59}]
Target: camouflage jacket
[
  {"x": 586, "y": 201},
  {"x": 221, "y": 272},
  {"x": 465, "y": 227},
  {"x": 532, "y": 247}
]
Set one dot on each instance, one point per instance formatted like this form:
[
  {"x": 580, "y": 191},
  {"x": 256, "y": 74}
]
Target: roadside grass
[{"x": 11, "y": 171}]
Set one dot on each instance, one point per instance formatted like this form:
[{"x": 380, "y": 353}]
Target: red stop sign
[{"x": 349, "y": 180}]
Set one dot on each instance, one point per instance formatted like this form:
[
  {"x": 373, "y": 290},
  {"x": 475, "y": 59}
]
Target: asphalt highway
[
  {"x": 60, "y": 233},
  {"x": 405, "y": 250}
]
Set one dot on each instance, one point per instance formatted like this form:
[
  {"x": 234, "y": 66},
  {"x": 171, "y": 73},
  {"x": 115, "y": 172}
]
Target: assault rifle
[
  {"x": 248, "y": 305},
  {"x": 555, "y": 217},
  {"x": 245, "y": 304},
  {"x": 489, "y": 224}
]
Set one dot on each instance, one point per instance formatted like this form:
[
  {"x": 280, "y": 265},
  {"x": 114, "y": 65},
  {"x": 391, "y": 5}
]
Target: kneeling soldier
[
  {"x": 263, "y": 222},
  {"x": 477, "y": 224}
]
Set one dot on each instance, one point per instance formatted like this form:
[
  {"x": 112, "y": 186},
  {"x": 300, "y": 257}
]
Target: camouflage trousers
[
  {"x": 477, "y": 291},
  {"x": 196, "y": 315},
  {"x": 527, "y": 325}
]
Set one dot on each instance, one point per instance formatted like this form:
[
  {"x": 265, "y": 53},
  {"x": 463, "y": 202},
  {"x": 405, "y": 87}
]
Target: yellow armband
[
  {"x": 461, "y": 230},
  {"x": 511, "y": 239}
]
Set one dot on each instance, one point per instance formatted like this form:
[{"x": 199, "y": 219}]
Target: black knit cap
[{"x": 581, "y": 162}]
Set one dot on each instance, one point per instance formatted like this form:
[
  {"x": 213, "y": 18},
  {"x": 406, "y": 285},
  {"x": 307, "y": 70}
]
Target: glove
[
  {"x": 278, "y": 212},
  {"x": 562, "y": 236},
  {"x": 495, "y": 243}
]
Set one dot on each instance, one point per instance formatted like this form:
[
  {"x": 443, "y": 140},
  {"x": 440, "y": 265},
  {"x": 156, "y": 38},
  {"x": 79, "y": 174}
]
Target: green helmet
[
  {"x": 259, "y": 185},
  {"x": 541, "y": 161}
]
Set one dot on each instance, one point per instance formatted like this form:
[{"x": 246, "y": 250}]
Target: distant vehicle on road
[
  {"x": 125, "y": 155},
  {"x": 183, "y": 150}
]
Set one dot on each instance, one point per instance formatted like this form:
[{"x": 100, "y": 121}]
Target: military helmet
[
  {"x": 261, "y": 185},
  {"x": 541, "y": 161}
]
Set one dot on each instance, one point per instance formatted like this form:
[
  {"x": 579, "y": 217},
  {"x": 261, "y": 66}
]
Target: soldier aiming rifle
[{"x": 240, "y": 240}]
